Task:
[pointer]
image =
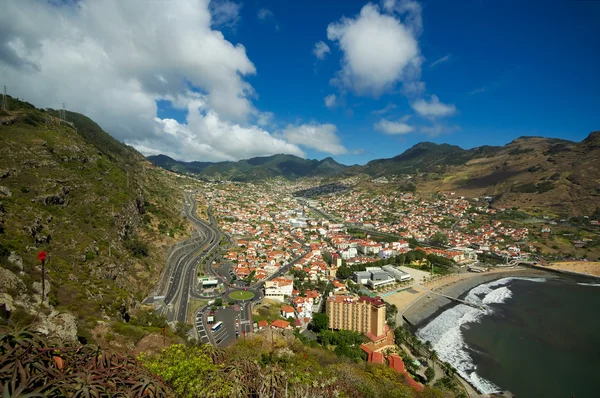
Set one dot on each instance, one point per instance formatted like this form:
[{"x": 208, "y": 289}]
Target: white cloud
[
  {"x": 224, "y": 13},
  {"x": 321, "y": 137},
  {"x": 410, "y": 10},
  {"x": 321, "y": 50},
  {"x": 387, "y": 108},
  {"x": 264, "y": 118},
  {"x": 378, "y": 52},
  {"x": 478, "y": 90},
  {"x": 330, "y": 101},
  {"x": 433, "y": 108},
  {"x": 393, "y": 128},
  {"x": 112, "y": 60},
  {"x": 441, "y": 60},
  {"x": 205, "y": 136},
  {"x": 265, "y": 13},
  {"x": 437, "y": 129}
]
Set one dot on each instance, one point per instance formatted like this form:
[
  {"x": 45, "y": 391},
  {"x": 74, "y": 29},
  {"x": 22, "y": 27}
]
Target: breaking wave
[
  {"x": 445, "y": 335},
  {"x": 589, "y": 284}
]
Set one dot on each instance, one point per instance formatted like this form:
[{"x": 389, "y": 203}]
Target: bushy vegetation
[
  {"x": 264, "y": 367},
  {"x": 31, "y": 367}
]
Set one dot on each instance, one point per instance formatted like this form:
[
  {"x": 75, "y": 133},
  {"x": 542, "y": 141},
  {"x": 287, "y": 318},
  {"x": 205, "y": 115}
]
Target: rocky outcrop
[
  {"x": 11, "y": 283},
  {"x": 35, "y": 230},
  {"x": 53, "y": 199},
  {"x": 4, "y": 191},
  {"x": 129, "y": 219},
  {"x": 57, "y": 326},
  {"x": 16, "y": 260},
  {"x": 37, "y": 287}
]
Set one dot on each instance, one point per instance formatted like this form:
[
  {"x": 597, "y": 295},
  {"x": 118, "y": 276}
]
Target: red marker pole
[{"x": 42, "y": 257}]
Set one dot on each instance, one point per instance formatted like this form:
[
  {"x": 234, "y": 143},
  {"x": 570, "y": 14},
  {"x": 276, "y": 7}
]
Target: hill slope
[
  {"x": 549, "y": 175},
  {"x": 93, "y": 204},
  {"x": 287, "y": 166}
]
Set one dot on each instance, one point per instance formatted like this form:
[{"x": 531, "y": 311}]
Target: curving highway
[{"x": 177, "y": 282}]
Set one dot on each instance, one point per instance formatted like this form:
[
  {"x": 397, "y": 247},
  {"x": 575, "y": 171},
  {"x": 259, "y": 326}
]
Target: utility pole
[{"x": 4, "y": 101}]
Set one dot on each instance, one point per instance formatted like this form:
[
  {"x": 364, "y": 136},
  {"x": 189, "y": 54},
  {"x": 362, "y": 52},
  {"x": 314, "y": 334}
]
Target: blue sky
[
  {"x": 514, "y": 68},
  {"x": 215, "y": 80}
]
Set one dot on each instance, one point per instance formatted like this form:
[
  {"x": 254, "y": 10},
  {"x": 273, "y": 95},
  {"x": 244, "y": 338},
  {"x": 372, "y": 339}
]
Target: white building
[
  {"x": 278, "y": 288},
  {"x": 349, "y": 253},
  {"x": 397, "y": 273}
]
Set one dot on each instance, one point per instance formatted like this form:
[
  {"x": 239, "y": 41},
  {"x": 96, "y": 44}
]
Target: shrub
[{"x": 137, "y": 247}]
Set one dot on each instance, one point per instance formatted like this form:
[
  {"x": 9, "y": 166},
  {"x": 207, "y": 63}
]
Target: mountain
[
  {"x": 425, "y": 156},
  {"x": 91, "y": 202},
  {"x": 545, "y": 174},
  {"x": 287, "y": 166}
]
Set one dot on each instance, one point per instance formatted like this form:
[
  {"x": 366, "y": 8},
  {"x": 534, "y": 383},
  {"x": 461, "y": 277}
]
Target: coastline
[{"x": 429, "y": 305}]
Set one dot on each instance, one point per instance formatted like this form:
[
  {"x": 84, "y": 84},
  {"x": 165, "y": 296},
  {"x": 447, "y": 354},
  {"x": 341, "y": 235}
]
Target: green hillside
[
  {"x": 287, "y": 166},
  {"x": 93, "y": 204}
]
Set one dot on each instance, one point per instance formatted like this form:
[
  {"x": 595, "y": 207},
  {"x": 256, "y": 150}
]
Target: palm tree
[{"x": 433, "y": 356}]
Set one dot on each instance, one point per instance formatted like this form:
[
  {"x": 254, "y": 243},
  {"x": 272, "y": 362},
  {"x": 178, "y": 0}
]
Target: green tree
[
  {"x": 319, "y": 322},
  {"x": 430, "y": 374},
  {"x": 219, "y": 302},
  {"x": 251, "y": 277},
  {"x": 189, "y": 370},
  {"x": 439, "y": 239}
]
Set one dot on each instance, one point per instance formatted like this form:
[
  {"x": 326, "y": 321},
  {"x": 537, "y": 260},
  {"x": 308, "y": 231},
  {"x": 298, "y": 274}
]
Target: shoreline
[{"x": 427, "y": 306}]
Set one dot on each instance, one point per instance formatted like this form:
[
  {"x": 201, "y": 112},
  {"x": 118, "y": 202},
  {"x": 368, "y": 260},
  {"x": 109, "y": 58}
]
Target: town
[{"x": 345, "y": 261}]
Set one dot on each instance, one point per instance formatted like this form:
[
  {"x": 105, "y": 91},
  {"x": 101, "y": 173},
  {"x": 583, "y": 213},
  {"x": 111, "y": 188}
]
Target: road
[
  {"x": 179, "y": 283},
  {"x": 179, "y": 277}
]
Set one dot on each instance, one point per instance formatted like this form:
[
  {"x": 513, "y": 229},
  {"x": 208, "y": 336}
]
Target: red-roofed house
[
  {"x": 262, "y": 324},
  {"x": 287, "y": 311},
  {"x": 396, "y": 363},
  {"x": 279, "y": 324}
]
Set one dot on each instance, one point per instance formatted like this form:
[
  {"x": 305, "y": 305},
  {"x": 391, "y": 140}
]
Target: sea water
[{"x": 534, "y": 337}]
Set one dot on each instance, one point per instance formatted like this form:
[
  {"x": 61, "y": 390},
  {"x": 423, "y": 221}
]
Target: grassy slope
[
  {"x": 114, "y": 196},
  {"x": 549, "y": 176}
]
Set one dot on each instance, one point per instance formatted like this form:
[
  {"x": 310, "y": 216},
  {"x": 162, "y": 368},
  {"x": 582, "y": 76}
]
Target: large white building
[
  {"x": 278, "y": 288},
  {"x": 397, "y": 273}
]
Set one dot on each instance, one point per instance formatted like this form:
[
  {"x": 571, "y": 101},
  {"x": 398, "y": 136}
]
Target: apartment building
[
  {"x": 279, "y": 288},
  {"x": 359, "y": 314}
]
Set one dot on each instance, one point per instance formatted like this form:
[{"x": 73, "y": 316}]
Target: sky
[{"x": 355, "y": 80}]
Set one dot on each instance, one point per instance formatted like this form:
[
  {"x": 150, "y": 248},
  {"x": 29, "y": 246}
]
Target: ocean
[{"x": 535, "y": 337}]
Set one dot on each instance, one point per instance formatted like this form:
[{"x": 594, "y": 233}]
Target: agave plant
[{"x": 29, "y": 367}]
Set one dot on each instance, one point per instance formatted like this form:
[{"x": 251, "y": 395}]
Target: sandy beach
[
  {"x": 417, "y": 304},
  {"x": 581, "y": 267}
]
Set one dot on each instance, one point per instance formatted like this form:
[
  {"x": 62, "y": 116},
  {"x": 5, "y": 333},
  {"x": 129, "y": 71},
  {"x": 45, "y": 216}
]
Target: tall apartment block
[{"x": 360, "y": 314}]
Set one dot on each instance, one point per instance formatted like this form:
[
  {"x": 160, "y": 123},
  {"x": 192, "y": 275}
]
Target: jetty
[{"x": 456, "y": 299}]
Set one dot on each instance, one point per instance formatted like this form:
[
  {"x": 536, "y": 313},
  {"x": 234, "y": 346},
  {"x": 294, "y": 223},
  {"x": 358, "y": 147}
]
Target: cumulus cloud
[
  {"x": 393, "y": 128},
  {"x": 265, "y": 13},
  {"x": 433, "y": 108},
  {"x": 321, "y": 137},
  {"x": 330, "y": 101},
  {"x": 378, "y": 51},
  {"x": 206, "y": 136},
  {"x": 224, "y": 13},
  {"x": 112, "y": 60},
  {"x": 321, "y": 50},
  {"x": 410, "y": 10}
]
